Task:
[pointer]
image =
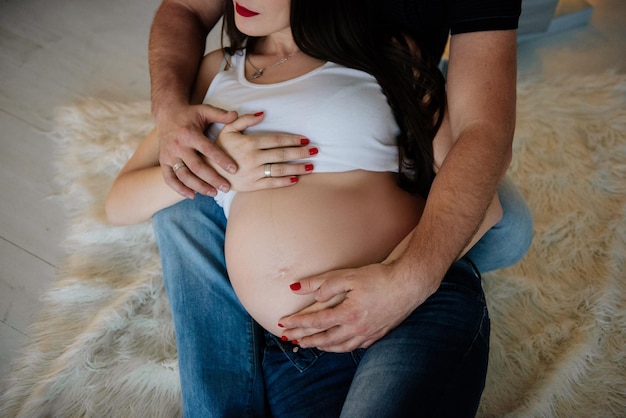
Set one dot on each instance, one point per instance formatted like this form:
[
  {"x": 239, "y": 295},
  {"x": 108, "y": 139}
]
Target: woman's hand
[{"x": 265, "y": 161}]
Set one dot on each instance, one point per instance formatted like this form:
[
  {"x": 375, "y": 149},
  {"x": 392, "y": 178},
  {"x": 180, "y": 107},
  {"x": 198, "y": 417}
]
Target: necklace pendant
[{"x": 257, "y": 74}]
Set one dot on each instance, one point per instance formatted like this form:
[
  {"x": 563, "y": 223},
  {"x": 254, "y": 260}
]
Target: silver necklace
[{"x": 258, "y": 73}]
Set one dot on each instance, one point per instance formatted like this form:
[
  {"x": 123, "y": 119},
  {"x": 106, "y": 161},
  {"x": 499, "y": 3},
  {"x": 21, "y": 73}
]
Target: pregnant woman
[{"x": 372, "y": 115}]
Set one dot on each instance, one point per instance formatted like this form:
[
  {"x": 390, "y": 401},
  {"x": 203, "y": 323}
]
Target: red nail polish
[
  {"x": 304, "y": 141},
  {"x": 258, "y": 114},
  {"x": 284, "y": 338},
  {"x": 281, "y": 325},
  {"x": 295, "y": 286},
  {"x": 295, "y": 342},
  {"x": 313, "y": 151},
  {"x": 294, "y": 179},
  {"x": 308, "y": 167}
]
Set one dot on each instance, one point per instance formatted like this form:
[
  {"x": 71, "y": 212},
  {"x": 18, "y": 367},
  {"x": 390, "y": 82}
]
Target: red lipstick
[{"x": 243, "y": 11}]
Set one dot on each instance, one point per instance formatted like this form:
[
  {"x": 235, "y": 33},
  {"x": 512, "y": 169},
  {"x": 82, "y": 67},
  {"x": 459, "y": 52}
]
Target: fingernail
[
  {"x": 294, "y": 179},
  {"x": 313, "y": 151},
  {"x": 232, "y": 169},
  {"x": 284, "y": 338},
  {"x": 258, "y": 114},
  {"x": 304, "y": 141},
  {"x": 295, "y": 286},
  {"x": 295, "y": 342},
  {"x": 308, "y": 167},
  {"x": 281, "y": 325},
  {"x": 223, "y": 188}
]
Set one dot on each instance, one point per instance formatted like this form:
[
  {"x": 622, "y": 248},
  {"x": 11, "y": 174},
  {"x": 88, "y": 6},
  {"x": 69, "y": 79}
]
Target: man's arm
[
  {"x": 481, "y": 92},
  {"x": 177, "y": 42},
  {"x": 173, "y": 68},
  {"x": 481, "y": 99}
]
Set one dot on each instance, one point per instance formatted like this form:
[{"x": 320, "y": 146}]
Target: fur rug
[{"x": 104, "y": 344}]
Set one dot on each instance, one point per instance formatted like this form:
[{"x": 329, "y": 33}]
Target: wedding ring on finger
[
  {"x": 268, "y": 170},
  {"x": 178, "y": 165}
]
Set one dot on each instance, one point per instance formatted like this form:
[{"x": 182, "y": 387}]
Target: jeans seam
[{"x": 252, "y": 378}]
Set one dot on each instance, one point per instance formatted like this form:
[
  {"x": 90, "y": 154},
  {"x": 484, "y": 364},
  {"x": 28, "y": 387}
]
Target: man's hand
[
  {"x": 376, "y": 301},
  {"x": 176, "y": 47},
  {"x": 265, "y": 160},
  {"x": 182, "y": 139}
]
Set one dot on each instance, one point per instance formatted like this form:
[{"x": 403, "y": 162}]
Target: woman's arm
[{"x": 139, "y": 190}]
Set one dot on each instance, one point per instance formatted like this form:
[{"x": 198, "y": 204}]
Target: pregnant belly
[{"x": 326, "y": 222}]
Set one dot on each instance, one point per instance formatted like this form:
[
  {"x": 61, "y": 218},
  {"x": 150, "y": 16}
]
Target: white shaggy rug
[{"x": 104, "y": 346}]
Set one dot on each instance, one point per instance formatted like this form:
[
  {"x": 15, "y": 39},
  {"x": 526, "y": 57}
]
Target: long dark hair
[{"x": 347, "y": 32}]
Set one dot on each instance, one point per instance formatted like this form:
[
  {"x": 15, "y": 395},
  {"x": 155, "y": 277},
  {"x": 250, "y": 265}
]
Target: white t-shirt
[{"x": 342, "y": 111}]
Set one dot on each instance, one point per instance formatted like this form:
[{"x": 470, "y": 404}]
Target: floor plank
[
  {"x": 23, "y": 279},
  {"x": 32, "y": 218},
  {"x": 52, "y": 53},
  {"x": 11, "y": 340}
]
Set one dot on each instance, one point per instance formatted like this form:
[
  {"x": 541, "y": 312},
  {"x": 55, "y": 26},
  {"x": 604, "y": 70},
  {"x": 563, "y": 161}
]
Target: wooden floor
[{"x": 54, "y": 52}]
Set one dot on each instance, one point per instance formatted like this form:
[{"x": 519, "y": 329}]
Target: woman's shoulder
[
  {"x": 214, "y": 58},
  {"x": 220, "y": 60},
  {"x": 212, "y": 63}
]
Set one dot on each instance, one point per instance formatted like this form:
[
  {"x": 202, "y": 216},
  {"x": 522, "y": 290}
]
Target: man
[{"x": 481, "y": 84}]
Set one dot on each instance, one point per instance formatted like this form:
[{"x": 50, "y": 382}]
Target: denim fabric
[
  {"x": 306, "y": 382},
  {"x": 433, "y": 365},
  {"x": 218, "y": 343},
  {"x": 507, "y": 241}
]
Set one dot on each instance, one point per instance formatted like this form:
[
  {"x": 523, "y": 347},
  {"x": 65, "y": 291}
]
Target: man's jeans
[{"x": 219, "y": 345}]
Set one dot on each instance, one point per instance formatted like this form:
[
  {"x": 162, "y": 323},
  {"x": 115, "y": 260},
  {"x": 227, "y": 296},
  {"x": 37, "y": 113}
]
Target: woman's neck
[
  {"x": 278, "y": 44},
  {"x": 267, "y": 64}
]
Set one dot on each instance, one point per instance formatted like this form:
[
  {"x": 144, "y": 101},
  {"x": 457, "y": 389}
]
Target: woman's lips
[{"x": 243, "y": 11}]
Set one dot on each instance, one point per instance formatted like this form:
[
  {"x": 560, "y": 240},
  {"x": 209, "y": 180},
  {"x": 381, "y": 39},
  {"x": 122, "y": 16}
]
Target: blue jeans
[
  {"x": 218, "y": 342},
  {"x": 219, "y": 345},
  {"x": 433, "y": 365}
]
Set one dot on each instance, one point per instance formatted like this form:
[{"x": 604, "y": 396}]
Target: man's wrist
[
  {"x": 419, "y": 277},
  {"x": 164, "y": 109}
]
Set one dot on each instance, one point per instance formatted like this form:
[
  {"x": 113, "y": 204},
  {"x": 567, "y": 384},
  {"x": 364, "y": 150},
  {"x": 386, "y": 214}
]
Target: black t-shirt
[{"x": 431, "y": 21}]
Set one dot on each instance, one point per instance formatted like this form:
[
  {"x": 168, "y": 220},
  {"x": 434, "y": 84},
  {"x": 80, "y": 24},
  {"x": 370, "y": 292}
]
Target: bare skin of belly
[{"x": 327, "y": 221}]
